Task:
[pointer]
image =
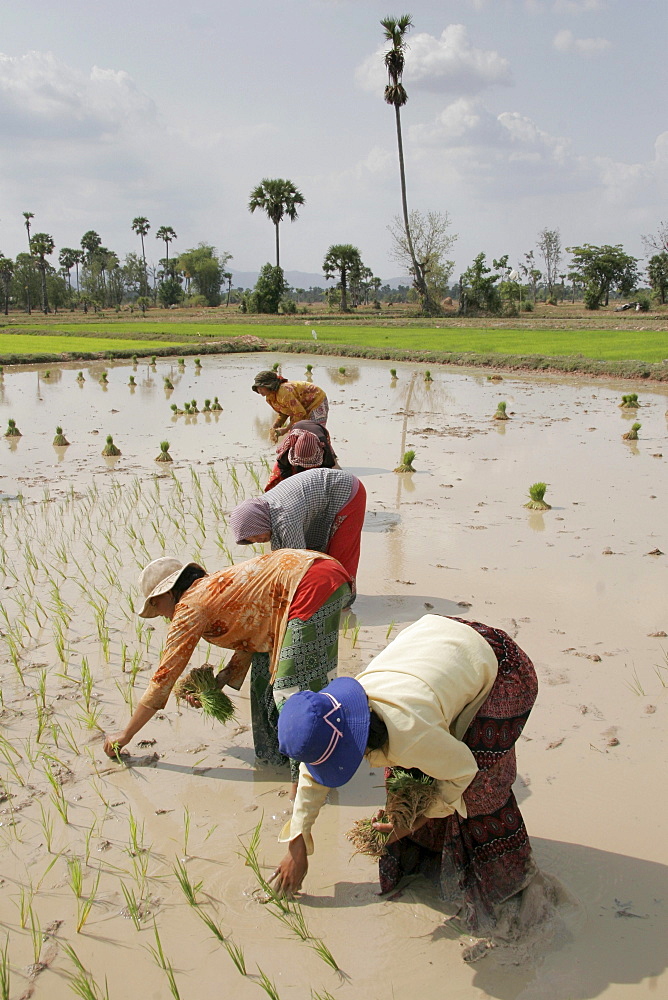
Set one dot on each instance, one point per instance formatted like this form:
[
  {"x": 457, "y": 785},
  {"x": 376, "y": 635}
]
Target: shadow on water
[
  {"x": 383, "y": 609},
  {"x": 612, "y": 931}
]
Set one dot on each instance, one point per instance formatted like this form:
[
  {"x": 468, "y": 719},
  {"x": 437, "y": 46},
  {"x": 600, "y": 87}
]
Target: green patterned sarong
[{"x": 308, "y": 660}]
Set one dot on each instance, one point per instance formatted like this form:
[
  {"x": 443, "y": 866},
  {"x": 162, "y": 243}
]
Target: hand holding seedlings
[{"x": 114, "y": 742}]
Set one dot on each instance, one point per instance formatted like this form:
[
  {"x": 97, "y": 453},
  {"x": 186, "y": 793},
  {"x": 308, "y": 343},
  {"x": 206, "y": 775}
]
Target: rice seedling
[
  {"x": 163, "y": 963},
  {"x": 84, "y": 906},
  {"x": 164, "y": 455},
  {"x": 635, "y": 684},
  {"x": 132, "y": 907},
  {"x": 236, "y": 953},
  {"x": 200, "y": 683},
  {"x": 57, "y": 795},
  {"x": 186, "y": 408},
  {"x": 265, "y": 983},
  {"x": 182, "y": 362},
  {"x": 5, "y": 976},
  {"x": 12, "y": 430},
  {"x": 110, "y": 450},
  {"x": 187, "y": 888},
  {"x": 632, "y": 435},
  {"x": 501, "y": 412},
  {"x": 75, "y": 876},
  {"x": 321, "y": 996},
  {"x": 193, "y": 406},
  {"x": 83, "y": 984},
  {"x": 276, "y": 367},
  {"x": 356, "y": 632},
  {"x": 168, "y": 382},
  {"x": 47, "y": 373},
  {"x": 103, "y": 379},
  {"x": 35, "y": 929},
  {"x": 134, "y": 360},
  {"x": 207, "y": 406},
  {"x": 198, "y": 363},
  {"x": 131, "y": 382},
  {"x": 216, "y": 405},
  {"x": 309, "y": 369},
  {"x": 366, "y": 839},
  {"x": 630, "y": 401},
  {"x": 407, "y": 462},
  {"x": 393, "y": 373},
  {"x": 80, "y": 377},
  {"x": 186, "y": 830},
  {"x": 427, "y": 376},
  {"x": 321, "y": 949},
  {"x": 408, "y": 797},
  {"x": 342, "y": 370},
  {"x": 390, "y": 627},
  {"x": 536, "y": 497},
  {"x": 153, "y": 359}
]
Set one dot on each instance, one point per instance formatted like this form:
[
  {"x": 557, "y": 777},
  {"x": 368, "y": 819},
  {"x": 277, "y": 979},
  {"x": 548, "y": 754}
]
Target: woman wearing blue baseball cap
[{"x": 449, "y": 698}]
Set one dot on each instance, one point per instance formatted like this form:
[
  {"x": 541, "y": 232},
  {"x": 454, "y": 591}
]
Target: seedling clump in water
[
  {"x": 193, "y": 406},
  {"x": 342, "y": 370},
  {"x": 198, "y": 363},
  {"x": 207, "y": 406},
  {"x": 110, "y": 450},
  {"x": 393, "y": 373},
  {"x": 501, "y": 412},
  {"x": 200, "y": 683},
  {"x": 632, "y": 435},
  {"x": 536, "y": 495},
  {"x": 216, "y": 405},
  {"x": 168, "y": 383},
  {"x": 427, "y": 376},
  {"x": 407, "y": 463},
  {"x": 80, "y": 377},
  {"x": 12, "y": 430},
  {"x": 103, "y": 378},
  {"x": 60, "y": 440},
  {"x": 309, "y": 369},
  {"x": 164, "y": 455},
  {"x": 132, "y": 381},
  {"x": 630, "y": 401}
]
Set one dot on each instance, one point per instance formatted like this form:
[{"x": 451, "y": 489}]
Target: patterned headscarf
[
  {"x": 306, "y": 450},
  {"x": 268, "y": 380},
  {"x": 250, "y": 518}
]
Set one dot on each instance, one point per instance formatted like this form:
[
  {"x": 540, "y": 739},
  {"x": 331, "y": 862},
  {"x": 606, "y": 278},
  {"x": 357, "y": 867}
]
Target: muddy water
[{"x": 576, "y": 586}]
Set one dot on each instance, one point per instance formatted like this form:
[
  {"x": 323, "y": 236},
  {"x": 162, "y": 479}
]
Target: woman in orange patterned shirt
[{"x": 292, "y": 401}]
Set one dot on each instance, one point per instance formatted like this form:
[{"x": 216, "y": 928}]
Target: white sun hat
[{"x": 158, "y": 578}]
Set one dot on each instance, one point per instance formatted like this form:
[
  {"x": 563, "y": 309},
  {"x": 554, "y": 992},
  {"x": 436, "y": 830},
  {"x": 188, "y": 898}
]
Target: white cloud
[
  {"x": 42, "y": 97},
  {"x": 565, "y": 41},
  {"x": 578, "y": 6},
  {"x": 447, "y": 64}
]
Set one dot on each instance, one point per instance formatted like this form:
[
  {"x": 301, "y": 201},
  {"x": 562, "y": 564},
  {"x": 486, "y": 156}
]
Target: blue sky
[{"x": 522, "y": 114}]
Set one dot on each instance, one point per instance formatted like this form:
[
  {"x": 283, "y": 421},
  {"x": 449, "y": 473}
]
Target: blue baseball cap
[{"x": 327, "y": 730}]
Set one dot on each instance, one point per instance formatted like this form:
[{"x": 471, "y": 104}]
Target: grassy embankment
[{"x": 629, "y": 351}]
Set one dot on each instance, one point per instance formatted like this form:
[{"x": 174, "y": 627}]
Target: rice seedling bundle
[
  {"x": 408, "y": 798},
  {"x": 103, "y": 378},
  {"x": 342, "y": 370},
  {"x": 12, "y": 430},
  {"x": 200, "y": 683},
  {"x": 132, "y": 381},
  {"x": 501, "y": 412},
  {"x": 393, "y": 372},
  {"x": 630, "y": 401},
  {"x": 164, "y": 455},
  {"x": 168, "y": 383},
  {"x": 198, "y": 363},
  {"x": 536, "y": 497},
  {"x": 60, "y": 440},
  {"x": 407, "y": 462},
  {"x": 193, "y": 406},
  {"x": 427, "y": 376},
  {"x": 110, "y": 450},
  {"x": 207, "y": 406},
  {"x": 632, "y": 435},
  {"x": 216, "y": 405},
  {"x": 80, "y": 377}
]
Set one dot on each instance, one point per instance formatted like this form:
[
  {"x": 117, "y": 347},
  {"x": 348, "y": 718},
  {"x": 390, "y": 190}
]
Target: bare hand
[
  {"x": 395, "y": 832},
  {"x": 113, "y": 742},
  {"x": 290, "y": 872}
]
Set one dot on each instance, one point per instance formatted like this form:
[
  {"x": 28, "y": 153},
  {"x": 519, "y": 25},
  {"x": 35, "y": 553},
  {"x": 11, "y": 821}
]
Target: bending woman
[
  {"x": 320, "y": 509},
  {"x": 285, "y": 605},
  {"x": 292, "y": 401},
  {"x": 306, "y": 446},
  {"x": 449, "y": 698}
]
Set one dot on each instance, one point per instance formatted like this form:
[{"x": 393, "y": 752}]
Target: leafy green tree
[
  {"x": 141, "y": 226},
  {"x": 602, "y": 269},
  {"x": 25, "y": 284},
  {"x": 657, "y": 272},
  {"x": 395, "y": 94},
  {"x": 203, "y": 268},
  {"x": 43, "y": 246},
  {"x": 278, "y": 198},
  {"x": 479, "y": 291},
  {"x": 6, "y": 275},
  {"x": 269, "y": 290},
  {"x": 343, "y": 259},
  {"x": 167, "y": 235},
  {"x": 170, "y": 292}
]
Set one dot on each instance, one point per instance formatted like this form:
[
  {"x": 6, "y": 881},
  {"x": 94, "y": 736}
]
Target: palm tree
[
  {"x": 43, "y": 246},
  {"x": 166, "y": 234},
  {"x": 28, "y": 216},
  {"x": 67, "y": 258},
  {"x": 141, "y": 226},
  {"x": 90, "y": 244},
  {"x": 395, "y": 94},
  {"x": 277, "y": 198},
  {"x": 6, "y": 274},
  {"x": 345, "y": 259}
]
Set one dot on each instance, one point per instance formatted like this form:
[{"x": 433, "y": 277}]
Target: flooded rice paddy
[{"x": 97, "y": 855}]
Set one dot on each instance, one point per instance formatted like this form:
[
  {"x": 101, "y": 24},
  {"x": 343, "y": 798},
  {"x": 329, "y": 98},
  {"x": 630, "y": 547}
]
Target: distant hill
[{"x": 301, "y": 279}]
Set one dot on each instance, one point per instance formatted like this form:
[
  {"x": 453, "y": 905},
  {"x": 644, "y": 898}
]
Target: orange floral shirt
[
  {"x": 296, "y": 400},
  {"x": 244, "y": 607}
]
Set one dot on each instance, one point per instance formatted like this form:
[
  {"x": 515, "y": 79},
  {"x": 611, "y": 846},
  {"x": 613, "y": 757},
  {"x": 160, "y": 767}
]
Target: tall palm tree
[
  {"x": 141, "y": 226},
  {"x": 43, "y": 246},
  {"x": 395, "y": 94},
  {"x": 166, "y": 234},
  {"x": 67, "y": 258},
  {"x": 277, "y": 198},
  {"x": 28, "y": 216}
]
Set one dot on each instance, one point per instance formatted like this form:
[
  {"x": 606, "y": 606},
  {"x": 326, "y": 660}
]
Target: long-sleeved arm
[
  {"x": 184, "y": 633},
  {"x": 450, "y": 762},
  {"x": 309, "y": 801}
]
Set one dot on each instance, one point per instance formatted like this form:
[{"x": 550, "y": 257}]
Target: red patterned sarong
[
  {"x": 345, "y": 536},
  {"x": 481, "y": 861}
]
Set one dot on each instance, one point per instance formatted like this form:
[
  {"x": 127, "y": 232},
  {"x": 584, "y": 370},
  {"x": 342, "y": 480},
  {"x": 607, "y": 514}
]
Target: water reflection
[{"x": 536, "y": 520}]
